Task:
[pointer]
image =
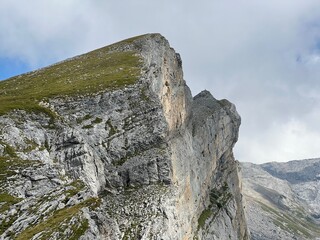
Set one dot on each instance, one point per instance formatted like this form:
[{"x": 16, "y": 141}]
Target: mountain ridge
[
  {"x": 108, "y": 67},
  {"x": 136, "y": 161},
  {"x": 282, "y": 199}
]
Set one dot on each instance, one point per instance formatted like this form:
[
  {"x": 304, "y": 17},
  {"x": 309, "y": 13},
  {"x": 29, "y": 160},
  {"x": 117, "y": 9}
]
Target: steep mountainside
[
  {"x": 283, "y": 199},
  {"x": 111, "y": 145}
]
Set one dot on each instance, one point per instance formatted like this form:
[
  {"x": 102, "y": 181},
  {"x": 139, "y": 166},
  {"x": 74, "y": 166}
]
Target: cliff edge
[{"x": 111, "y": 145}]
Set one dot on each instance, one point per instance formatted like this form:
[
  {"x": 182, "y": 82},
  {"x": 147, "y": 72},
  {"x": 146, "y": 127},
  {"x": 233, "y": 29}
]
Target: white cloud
[
  {"x": 44, "y": 31},
  {"x": 291, "y": 140}
]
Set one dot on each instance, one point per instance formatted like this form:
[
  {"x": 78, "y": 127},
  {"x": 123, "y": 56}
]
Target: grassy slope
[
  {"x": 294, "y": 221},
  {"x": 59, "y": 221},
  {"x": 104, "y": 68}
]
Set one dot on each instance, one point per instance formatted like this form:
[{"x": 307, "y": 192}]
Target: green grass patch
[
  {"x": 8, "y": 165},
  {"x": 31, "y": 145},
  {"x": 87, "y": 126},
  {"x": 84, "y": 118},
  {"x": 79, "y": 230},
  {"x": 8, "y": 149},
  {"x": 6, "y": 223},
  {"x": 203, "y": 217},
  {"x": 95, "y": 71},
  {"x": 77, "y": 186},
  {"x": 292, "y": 227},
  {"x": 53, "y": 223},
  {"x": 97, "y": 120},
  {"x": 6, "y": 200},
  {"x": 218, "y": 200}
]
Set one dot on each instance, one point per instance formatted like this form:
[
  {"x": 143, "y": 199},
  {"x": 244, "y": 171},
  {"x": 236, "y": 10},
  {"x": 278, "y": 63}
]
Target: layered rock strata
[{"x": 143, "y": 161}]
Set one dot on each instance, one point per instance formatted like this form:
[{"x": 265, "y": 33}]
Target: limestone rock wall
[{"x": 154, "y": 163}]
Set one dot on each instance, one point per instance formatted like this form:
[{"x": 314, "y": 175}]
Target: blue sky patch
[{"x": 12, "y": 67}]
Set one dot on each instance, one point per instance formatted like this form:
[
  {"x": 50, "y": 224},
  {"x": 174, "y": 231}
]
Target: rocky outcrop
[
  {"x": 283, "y": 199},
  {"x": 140, "y": 161}
]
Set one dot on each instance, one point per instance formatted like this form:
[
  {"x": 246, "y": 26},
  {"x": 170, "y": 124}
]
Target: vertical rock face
[{"x": 154, "y": 163}]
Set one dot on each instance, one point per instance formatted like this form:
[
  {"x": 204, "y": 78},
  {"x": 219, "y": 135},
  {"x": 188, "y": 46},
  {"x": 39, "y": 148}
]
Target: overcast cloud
[{"x": 263, "y": 55}]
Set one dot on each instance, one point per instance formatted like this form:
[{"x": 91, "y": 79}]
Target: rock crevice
[{"x": 144, "y": 161}]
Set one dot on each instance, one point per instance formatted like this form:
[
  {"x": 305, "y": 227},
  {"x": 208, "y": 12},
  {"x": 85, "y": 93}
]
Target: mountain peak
[
  {"x": 111, "y": 145},
  {"x": 115, "y": 66}
]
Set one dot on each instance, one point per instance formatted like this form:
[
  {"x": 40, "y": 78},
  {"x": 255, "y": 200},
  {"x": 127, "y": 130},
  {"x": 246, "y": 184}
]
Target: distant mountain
[{"x": 283, "y": 199}]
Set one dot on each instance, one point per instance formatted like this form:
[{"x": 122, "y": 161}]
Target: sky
[{"x": 262, "y": 55}]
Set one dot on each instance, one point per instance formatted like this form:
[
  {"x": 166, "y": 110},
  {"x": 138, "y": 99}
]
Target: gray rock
[
  {"x": 282, "y": 199},
  {"x": 146, "y": 161}
]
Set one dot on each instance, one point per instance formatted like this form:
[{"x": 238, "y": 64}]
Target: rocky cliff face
[
  {"x": 136, "y": 158},
  {"x": 283, "y": 199}
]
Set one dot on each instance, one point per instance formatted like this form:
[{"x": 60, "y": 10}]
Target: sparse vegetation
[
  {"x": 87, "y": 126},
  {"x": 224, "y": 102},
  {"x": 6, "y": 200},
  {"x": 31, "y": 145},
  {"x": 218, "y": 199},
  {"x": 296, "y": 225},
  {"x": 203, "y": 217},
  {"x": 59, "y": 221},
  {"x": 86, "y": 117},
  {"x": 112, "y": 129},
  {"x": 120, "y": 162},
  {"x": 8, "y": 166},
  {"x": 79, "y": 230},
  {"x": 97, "y": 120},
  {"x": 144, "y": 95},
  {"x": 133, "y": 232},
  {"x": 77, "y": 186},
  {"x": 10, "y": 151},
  {"x": 46, "y": 145},
  {"x": 6, "y": 223}
]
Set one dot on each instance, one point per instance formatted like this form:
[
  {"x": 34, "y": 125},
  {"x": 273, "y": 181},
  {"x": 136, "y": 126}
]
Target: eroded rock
[{"x": 145, "y": 161}]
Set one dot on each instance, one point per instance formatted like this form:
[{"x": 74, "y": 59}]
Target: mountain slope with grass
[
  {"x": 283, "y": 199},
  {"x": 111, "y": 145},
  {"x": 105, "y": 68}
]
